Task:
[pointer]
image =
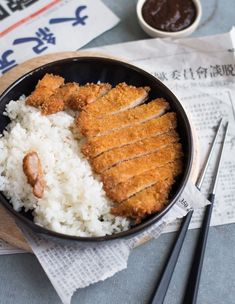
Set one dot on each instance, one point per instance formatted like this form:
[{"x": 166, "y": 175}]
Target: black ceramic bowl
[{"x": 93, "y": 69}]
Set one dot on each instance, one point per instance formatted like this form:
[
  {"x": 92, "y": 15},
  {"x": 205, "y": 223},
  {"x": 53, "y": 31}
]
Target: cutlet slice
[
  {"x": 97, "y": 145},
  {"x": 57, "y": 101},
  {"x": 50, "y": 81},
  {"x": 44, "y": 89},
  {"x": 148, "y": 201},
  {"x": 120, "y": 98},
  {"x": 73, "y": 96},
  {"x": 139, "y": 182},
  {"x": 90, "y": 127},
  {"x": 87, "y": 94},
  {"x": 38, "y": 97},
  {"x": 112, "y": 157},
  {"x": 130, "y": 168}
]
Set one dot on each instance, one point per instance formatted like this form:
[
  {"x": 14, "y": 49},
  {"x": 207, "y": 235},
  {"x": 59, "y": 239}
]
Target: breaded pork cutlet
[
  {"x": 97, "y": 145},
  {"x": 146, "y": 202},
  {"x": 52, "y": 95},
  {"x": 149, "y": 145},
  {"x": 58, "y": 100},
  {"x": 102, "y": 126},
  {"x": 123, "y": 191},
  {"x": 44, "y": 89},
  {"x": 73, "y": 96},
  {"x": 87, "y": 94},
  {"x": 130, "y": 168},
  {"x": 118, "y": 99},
  {"x": 50, "y": 81}
]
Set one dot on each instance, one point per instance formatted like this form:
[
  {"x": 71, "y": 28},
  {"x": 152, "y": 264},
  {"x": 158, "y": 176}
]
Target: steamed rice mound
[{"x": 74, "y": 202}]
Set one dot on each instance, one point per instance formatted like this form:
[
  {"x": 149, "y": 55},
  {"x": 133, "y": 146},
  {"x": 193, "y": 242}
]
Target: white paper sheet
[
  {"x": 71, "y": 267},
  {"x": 33, "y": 28}
]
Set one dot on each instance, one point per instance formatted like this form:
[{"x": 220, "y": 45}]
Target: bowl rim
[
  {"x": 139, "y": 227},
  {"x": 176, "y": 34}
]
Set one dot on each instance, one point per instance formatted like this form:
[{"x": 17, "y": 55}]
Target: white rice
[{"x": 74, "y": 202}]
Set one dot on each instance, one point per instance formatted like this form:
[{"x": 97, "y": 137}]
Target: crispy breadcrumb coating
[
  {"x": 149, "y": 145},
  {"x": 120, "y": 98},
  {"x": 97, "y": 145},
  {"x": 87, "y": 94},
  {"x": 44, "y": 89},
  {"x": 130, "y": 168},
  {"x": 89, "y": 126},
  {"x": 58, "y": 100},
  {"x": 146, "y": 202},
  {"x": 137, "y": 183}
]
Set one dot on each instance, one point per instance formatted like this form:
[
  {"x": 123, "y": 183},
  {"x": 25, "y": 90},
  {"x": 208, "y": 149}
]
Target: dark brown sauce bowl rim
[
  {"x": 189, "y": 29},
  {"x": 147, "y": 222}
]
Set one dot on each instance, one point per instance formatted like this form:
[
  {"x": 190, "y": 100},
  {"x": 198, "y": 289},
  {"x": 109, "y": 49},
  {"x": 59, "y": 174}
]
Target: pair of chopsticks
[{"x": 191, "y": 293}]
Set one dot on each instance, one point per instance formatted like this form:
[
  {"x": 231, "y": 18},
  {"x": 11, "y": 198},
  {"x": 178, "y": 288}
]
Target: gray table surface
[{"x": 22, "y": 280}]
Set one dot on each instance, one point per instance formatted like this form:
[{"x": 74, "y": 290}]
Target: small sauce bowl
[{"x": 153, "y": 32}]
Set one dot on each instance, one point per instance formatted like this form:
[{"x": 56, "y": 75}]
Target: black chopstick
[
  {"x": 160, "y": 292},
  {"x": 196, "y": 269}
]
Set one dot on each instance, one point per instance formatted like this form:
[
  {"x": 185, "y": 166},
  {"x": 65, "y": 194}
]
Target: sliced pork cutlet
[
  {"x": 119, "y": 99},
  {"x": 44, "y": 89},
  {"x": 87, "y": 94},
  {"x": 50, "y": 81},
  {"x": 146, "y": 202},
  {"x": 138, "y": 183},
  {"x": 72, "y": 96},
  {"x": 130, "y": 168},
  {"x": 149, "y": 145},
  {"x": 97, "y": 145},
  {"x": 58, "y": 100},
  {"x": 90, "y": 127}
]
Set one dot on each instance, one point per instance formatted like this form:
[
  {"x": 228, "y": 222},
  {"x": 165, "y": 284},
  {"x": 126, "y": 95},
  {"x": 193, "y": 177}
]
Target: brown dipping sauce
[{"x": 169, "y": 15}]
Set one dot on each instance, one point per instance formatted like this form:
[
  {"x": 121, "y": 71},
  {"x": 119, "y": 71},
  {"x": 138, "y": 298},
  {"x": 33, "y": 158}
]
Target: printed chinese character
[
  {"x": 42, "y": 37},
  {"x": 176, "y": 75},
  {"x": 188, "y": 74},
  {"x": 202, "y": 72},
  {"x": 77, "y": 19},
  {"x": 5, "y": 63},
  {"x": 3, "y": 13},
  {"x": 216, "y": 70},
  {"x": 18, "y": 5},
  {"x": 161, "y": 76},
  {"x": 229, "y": 69}
]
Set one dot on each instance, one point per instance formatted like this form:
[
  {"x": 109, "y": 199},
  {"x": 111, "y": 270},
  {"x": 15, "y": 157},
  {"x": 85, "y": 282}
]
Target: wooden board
[{"x": 8, "y": 229}]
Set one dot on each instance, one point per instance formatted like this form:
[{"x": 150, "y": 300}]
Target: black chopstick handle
[
  {"x": 195, "y": 273},
  {"x": 160, "y": 293}
]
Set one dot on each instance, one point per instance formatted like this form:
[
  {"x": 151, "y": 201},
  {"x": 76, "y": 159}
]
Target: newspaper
[
  {"x": 201, "y": 72},
  {"x": 70, "y": 267},
  {"x": 48, "y": 26}
]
